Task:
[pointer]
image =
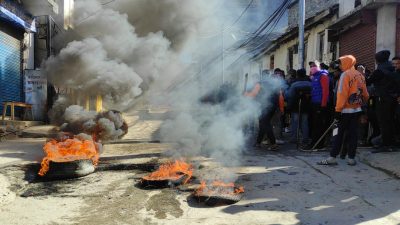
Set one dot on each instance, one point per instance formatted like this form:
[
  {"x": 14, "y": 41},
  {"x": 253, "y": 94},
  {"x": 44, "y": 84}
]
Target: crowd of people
[{"x": 341, "y": 105}]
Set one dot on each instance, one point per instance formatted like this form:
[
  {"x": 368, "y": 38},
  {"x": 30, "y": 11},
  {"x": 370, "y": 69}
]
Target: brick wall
[
  {"x": 360, "y": 41},
  {"x": 398, "y": 31}
]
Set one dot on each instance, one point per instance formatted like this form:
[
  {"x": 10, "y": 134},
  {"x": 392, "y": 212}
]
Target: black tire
[
  {"x": 162, "y": 183},
  {"x": 73, "y": 169},
  {"x": 219, "y": 199}
]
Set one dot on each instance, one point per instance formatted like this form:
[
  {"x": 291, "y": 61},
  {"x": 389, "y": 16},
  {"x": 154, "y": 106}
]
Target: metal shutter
[{"x": 10, "y": 69}]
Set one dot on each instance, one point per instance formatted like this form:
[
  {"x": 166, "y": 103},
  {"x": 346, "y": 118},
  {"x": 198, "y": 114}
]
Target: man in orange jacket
[{"x": 351, "y": 94}]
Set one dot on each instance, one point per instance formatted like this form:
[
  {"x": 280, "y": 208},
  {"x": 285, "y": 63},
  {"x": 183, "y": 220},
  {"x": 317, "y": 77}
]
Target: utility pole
[
  {"x": 302, "y": 16},
  {"x": 223, "y": 57}
]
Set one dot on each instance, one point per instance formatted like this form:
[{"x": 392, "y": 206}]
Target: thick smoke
[
  {"x": 123, "y": 48},
  {"x": 85, "y": 67},
  {"x": 132, "y": 48},
  {"x": 104, "y": 126},
  {"x": 213, "y": 125}
]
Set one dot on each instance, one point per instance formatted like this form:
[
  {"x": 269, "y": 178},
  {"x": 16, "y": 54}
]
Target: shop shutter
[{"x": 10, "y": 69}]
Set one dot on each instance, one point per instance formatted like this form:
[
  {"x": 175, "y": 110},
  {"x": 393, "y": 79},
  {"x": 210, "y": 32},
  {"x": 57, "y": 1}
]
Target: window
[
  {"x": 290, "y": 55},
  {"x": 296, "y": 49},
  {"x": 334, "y": 50},
  {"x": 321, "y": 39},
  {"x": 305, "y": 53},
  {"x": 272, "y": 62}
]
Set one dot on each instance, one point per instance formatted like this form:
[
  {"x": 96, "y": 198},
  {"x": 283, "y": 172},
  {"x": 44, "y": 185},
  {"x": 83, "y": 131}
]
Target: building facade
[
  {"x": 365, "y": 27},
  {"x": 283, "y": 53},
  {"x": 15, "y": 24},
  {"x": 27, "y": 29},
  {"x": 334, "y": 28}
]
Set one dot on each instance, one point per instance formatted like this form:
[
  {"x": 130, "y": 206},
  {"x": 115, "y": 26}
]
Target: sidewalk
[
  {"x": 21, "y": 151},
  {"x": 388, "y": 162}
]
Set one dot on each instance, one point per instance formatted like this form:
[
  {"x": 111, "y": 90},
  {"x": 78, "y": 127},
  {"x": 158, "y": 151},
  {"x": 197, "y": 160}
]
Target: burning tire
[
  {"x": 71, "y": 169},
  {"x": 218, "y": 193},
  {"x": 169, "y": 174},
  {"x": 220, "y": 199},
  {"x": 163, "y": 183},
  {"x": 70, "y": 158}
]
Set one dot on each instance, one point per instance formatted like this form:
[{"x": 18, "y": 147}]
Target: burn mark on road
[{"x": 164, "y": 203}]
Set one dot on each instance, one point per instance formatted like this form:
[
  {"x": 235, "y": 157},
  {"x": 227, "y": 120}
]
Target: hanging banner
[{"x": 35, "y": 88}]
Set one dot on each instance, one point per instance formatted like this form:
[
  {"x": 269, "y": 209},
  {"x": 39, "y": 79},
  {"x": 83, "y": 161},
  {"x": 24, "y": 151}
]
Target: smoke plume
[
  {"x": 108, "y": 125},
  {"x": 168, "y": 52}
]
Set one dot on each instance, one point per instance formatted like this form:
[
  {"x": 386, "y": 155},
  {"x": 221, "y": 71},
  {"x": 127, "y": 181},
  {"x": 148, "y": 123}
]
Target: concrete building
[
  {"x": 283, "y": 53},
  {"x": 16, "y": 27},
  {"x": 334, "y": 28},
  {"x": 365, "y": 27},
  {"x": 27, "y": 29}
]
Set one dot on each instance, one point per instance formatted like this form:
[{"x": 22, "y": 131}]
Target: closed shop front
[
  {"x": 10, "y": 69},
  {"x": 356, "y": 34},
  {"x": 360, "y": 41}
]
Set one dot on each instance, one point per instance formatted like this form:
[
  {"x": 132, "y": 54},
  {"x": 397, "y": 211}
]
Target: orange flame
[
  {"x": 218, "y": 187},
  {"x": 172, "y": 171},
  {"x": 67, "y": 151}
]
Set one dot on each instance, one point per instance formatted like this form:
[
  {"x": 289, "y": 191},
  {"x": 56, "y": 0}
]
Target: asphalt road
[{"x": 280, "y": 188}]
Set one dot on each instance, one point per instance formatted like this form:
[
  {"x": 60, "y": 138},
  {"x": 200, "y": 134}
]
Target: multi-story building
[
  {"x": 283, "y": 52},
  {"x": 365, "y": 27},
  {"x": 27, "y": 29},
  {"x": 338, "y": 27}
]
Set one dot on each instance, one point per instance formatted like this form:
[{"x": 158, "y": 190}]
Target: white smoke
[
  {"x": 132, "y": 48},
  {"x": 108, "y": 125}
]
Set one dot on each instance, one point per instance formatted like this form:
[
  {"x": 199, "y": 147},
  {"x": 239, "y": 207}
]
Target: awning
[{"x": 11, "y": 17}]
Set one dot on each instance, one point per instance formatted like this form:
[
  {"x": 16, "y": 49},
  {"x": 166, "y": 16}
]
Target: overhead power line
[
  {"x": 97, "y": 11},
  {"x": 217, "y": 33},
  {"x": 270, "y": 22},
  {"x": 267, "y": 34}
]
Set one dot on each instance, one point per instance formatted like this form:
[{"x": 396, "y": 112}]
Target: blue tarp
[{"x": 9, "y": 16}]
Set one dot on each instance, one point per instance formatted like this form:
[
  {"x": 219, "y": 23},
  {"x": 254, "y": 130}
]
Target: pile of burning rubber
[
  {"x": 179, "y": 173},
  {"x": 170, "y": 173},
  {"x": 69, "y": 158},
  {"x": 76, "y": 149},
  {"x": 75, "y": 154},
  {"x": 218, "y": 192}
]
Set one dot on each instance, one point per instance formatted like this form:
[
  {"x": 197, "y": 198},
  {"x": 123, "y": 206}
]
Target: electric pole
[
  {"x": 302, "y": 16},
  {"x": 223, "y": 56}
]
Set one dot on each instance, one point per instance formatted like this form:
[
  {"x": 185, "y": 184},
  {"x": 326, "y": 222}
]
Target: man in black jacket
[
  {"x": 386, "y": 92},
  {"x": 396, "y": 64},
  {"x": 299, "y": 103}
]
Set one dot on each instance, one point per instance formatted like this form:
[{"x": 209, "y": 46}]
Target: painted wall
[
  {"x": 345, "y": 6},
  {"x": 398, "y": 31},
  {"x": 55, "y": 8},
  {"x": 386, "y": 28},
  {"x": 312, "y": 38}
]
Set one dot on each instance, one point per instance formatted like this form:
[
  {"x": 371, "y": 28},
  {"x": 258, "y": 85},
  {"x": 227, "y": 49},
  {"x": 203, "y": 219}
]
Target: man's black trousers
[
  {"x": 348, "y": 125},
  {"x": 265, "y": 126}
]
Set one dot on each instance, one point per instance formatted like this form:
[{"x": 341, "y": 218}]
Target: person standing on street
[
  {"x": 267, "y": 94},
  {"x": 383, "y": 79},
  {"x": 396, "y": 64},
  {"x": 319, "y": 103},
  {"x": 298, "y": 97},
  {"x": 351, "y": 95}
]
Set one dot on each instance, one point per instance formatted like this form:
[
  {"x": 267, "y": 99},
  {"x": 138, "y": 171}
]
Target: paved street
[
  {"x": 286, "y": 187},
  {"x": 103, "y": 97}
]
